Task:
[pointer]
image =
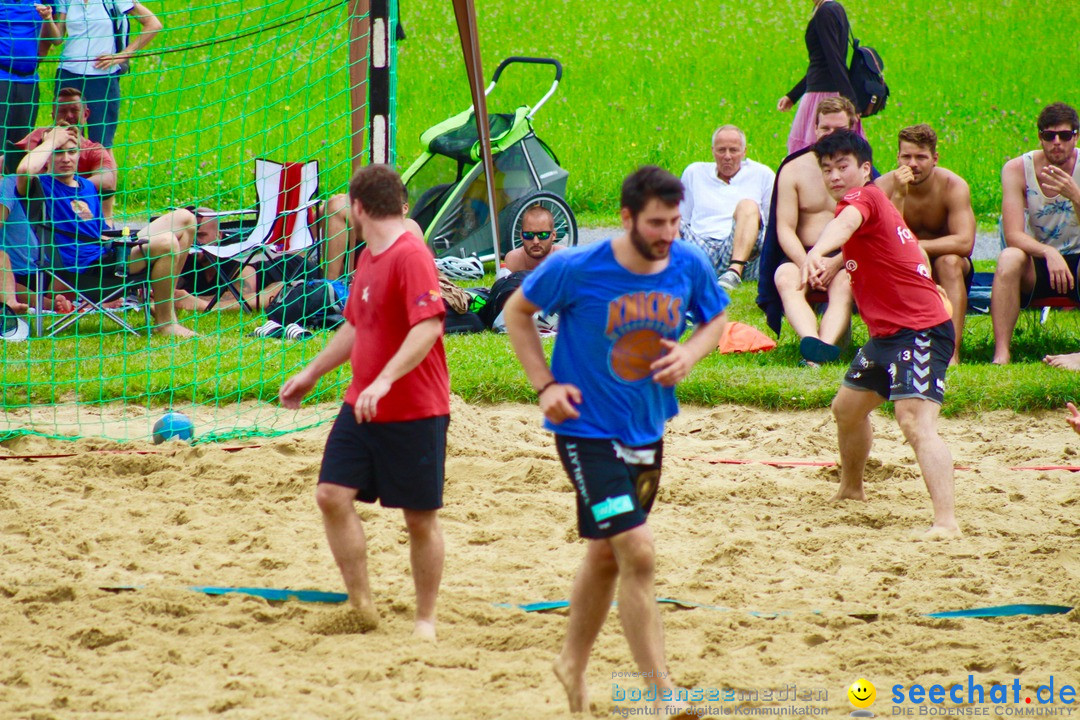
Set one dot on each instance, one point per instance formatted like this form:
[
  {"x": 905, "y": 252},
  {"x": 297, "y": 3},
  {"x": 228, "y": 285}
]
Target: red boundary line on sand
[
  {"x": 804, "y": 463},
  {"x": 1071, "y": 468},
  {"x": 235, "y": 448}
]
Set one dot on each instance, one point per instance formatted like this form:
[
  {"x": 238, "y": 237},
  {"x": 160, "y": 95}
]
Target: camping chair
[
  {"x": 1043, "y": 305},
  {"x": 49, "y": 265},
  {"x": 285, "y": 218}
]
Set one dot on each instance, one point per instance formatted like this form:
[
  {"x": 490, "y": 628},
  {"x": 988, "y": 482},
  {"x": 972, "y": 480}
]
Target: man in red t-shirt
[
  {"x": 96, "y": 163},
  {"x": 389, "y": 440},
  {"x": 911, "y": 332}
]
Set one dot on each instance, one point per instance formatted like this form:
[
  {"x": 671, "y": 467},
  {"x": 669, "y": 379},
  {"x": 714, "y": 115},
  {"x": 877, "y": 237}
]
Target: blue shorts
[
  {"x": 615, "y": 484},
  {"x": 908, "y": 364}
]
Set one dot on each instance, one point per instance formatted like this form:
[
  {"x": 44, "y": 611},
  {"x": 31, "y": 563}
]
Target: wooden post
[
  {"x": 465, "y": 12},
  {"x": 359, "y": 46}
]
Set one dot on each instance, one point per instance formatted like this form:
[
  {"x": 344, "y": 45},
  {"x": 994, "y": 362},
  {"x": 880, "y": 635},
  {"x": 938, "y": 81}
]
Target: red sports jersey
[
  {"x": 393, "y": 291},
  {"x": 889, "y": 275}
]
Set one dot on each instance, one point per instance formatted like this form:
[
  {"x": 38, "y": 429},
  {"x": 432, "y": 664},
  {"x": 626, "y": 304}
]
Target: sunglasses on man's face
[
  {"x": 541, "y": 235},
  {"x": 1062, "y": 135}
]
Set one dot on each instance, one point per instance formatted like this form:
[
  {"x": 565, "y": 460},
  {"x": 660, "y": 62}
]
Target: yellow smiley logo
[{"x": 862, "y": 693}]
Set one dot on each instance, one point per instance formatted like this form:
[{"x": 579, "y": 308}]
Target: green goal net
[{"x": 238, "y": 125}]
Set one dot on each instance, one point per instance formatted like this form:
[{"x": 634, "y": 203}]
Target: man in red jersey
[
  {"x": 911, "y": 332},
  {"x": 389, "y": 440}
]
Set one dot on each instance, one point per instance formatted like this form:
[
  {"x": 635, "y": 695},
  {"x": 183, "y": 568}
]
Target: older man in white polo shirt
[{"x": 726, "y": 205}]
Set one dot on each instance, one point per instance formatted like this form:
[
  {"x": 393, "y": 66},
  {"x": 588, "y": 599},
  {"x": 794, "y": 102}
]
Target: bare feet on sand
[
  {"x": 347, "y": 621},
  {"x": 937, "y": 532},
  {"x": 174, "y": 330},
  {"x": 1065, "y": 362},
  {"x": 574, "y": 685},
  {"x": 845, "y": 493},
  {"x": 424, "y": 629}
]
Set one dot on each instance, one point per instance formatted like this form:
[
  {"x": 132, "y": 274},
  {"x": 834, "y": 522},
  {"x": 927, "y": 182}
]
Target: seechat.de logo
[{"x": 862, "y": 695}]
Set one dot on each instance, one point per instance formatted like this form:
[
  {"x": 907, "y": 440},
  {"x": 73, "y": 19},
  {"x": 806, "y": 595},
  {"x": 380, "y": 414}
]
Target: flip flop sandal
[
  {"x": 293, "y": 331},
  {"x": 269, "y": 329}
]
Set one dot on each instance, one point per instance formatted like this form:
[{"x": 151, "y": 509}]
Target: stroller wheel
[{"x": 565, "y": 222}]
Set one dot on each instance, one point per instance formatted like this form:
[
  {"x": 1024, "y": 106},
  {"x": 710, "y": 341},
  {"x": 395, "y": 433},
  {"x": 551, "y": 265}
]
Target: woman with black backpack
[
  {"x": 827, "y": 75},
  {"x": 97, "y": 49}
]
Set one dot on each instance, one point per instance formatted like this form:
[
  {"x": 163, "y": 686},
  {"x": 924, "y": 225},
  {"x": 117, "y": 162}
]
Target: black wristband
[{"x": 548, "y": 384}]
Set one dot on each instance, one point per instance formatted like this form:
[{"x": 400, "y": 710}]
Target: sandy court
[{"x": 815, "y": 595}]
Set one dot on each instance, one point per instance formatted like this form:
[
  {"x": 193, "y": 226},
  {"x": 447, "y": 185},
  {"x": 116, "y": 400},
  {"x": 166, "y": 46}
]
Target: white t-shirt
[
  {"x": 89, "y": 34},
  {"x": 708, "y": 205}
]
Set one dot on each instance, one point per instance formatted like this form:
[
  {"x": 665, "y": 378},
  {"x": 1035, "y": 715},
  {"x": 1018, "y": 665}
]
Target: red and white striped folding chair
[{"x": 286, "y": 217}]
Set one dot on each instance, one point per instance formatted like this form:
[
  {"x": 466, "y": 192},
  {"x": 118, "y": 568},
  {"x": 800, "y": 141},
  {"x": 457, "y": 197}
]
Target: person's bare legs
[
  {"x": 797, "y": 310},
  {"x": 638, "y": 613},
  {"x": 337, "y": 234},
  {"x": 1015, "y": 274},
  {"x": 948, "y": 272},
  {"x": 426, "y": 553},
  {"x": 345, "y": 535},
  {"x": 7, "y": 286},
  {"x": 800, "y": 315},
  {"x": 590, "y": 602},
  {"x": 168, "y": 239},
  {"x": 836, "y": 320},
  {"x": 747, "y": 219},
  {"x": 855, "y": 435},
  {"x": 1065, "y": 362},
  {"x": 184, "y": 300},
  {"x": 917, "y": 419}
]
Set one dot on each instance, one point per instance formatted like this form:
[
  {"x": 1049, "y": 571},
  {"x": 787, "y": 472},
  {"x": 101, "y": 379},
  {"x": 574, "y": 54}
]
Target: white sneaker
[{"x": 730, "y": 280}]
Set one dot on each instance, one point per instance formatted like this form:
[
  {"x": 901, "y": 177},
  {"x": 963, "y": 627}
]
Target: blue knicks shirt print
[
  {"x": 611, "y": 322},
  {"x": 636, "y": 324}
]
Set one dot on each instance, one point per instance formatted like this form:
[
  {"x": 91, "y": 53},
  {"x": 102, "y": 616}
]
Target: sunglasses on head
[
  {"x": 1062, "y": 135},
  {"x": 540, "y": 235}
]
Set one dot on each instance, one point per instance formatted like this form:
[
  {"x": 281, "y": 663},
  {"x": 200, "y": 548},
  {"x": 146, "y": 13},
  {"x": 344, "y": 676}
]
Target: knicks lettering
[{"x": 642, "y": 308}]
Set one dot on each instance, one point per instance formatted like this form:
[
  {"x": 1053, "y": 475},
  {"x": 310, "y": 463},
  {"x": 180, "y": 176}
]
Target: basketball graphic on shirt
[
  {"x": 81, "y": 210},
  {"x": 634, "y": 352}
]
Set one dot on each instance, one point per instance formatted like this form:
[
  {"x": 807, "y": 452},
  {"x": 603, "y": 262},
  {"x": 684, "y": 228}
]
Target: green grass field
[
  {"x": 644, "y": 82},
  {"x": 648, "y": 82}
]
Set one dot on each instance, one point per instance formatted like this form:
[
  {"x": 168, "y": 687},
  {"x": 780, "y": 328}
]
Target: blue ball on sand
[{"x": 173, "y": 425}]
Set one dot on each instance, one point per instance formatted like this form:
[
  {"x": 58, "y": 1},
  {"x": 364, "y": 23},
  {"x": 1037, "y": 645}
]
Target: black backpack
[
  {"x": 314, "y": 304},
  {"x": 500, "y": 292},
  {"x": 865, "y": 73}
]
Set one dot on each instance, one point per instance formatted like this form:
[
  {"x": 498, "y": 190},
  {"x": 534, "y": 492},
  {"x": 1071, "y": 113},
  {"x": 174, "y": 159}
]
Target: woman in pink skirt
[{"x": 827, "y": 76}]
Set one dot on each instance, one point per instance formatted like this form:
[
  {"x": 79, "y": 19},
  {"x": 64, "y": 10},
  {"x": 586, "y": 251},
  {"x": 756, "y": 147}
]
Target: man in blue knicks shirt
[{"x": 622, "y": 308}]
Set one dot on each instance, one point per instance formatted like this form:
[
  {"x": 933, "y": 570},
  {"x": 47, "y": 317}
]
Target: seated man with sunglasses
[
  {"x": 537, "y": 240},
  {"x": 1040, "y": 205}
]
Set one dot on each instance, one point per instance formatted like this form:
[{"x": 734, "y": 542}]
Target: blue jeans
[
  {"x": 101, "y": 94},
  {"x": 18, "y": 113}
]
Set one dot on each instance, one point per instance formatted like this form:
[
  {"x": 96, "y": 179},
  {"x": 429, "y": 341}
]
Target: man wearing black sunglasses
[
  {"x": 537, "y": 240},
  {"x": 1040, "y": 205}
]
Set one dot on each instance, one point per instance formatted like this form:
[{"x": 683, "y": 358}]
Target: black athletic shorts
[
  {"x": 615, "y": 484},
  {"x": 400, "y": 464},
  {"x": 909, "y": 364},
  {"x": 99, "y": 280},
  {"x": 1042, "y": 287}
]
